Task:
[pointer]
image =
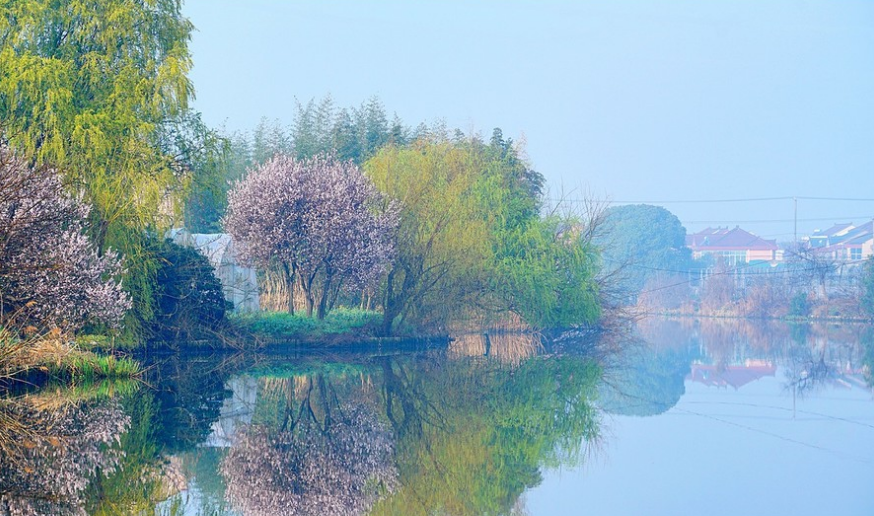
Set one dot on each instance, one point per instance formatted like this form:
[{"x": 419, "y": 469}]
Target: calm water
[{"x": 691, "y": 416}]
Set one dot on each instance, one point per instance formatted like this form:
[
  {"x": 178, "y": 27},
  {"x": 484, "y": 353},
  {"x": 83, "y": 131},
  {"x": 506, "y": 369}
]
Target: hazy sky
[{"x": 629, "y": 100}]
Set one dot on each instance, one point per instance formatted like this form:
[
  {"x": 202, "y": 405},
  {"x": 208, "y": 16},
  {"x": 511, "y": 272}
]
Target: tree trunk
[
  {"x": 289, "y": 286},
  {"x": 389, "y": 305},
  {"x": 306, "y": 284},
  {"x": 323, "y": 299}
]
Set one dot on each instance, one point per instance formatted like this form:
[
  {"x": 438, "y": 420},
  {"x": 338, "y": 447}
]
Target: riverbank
[
  {"x": 56, "y": 356},
  {"x": 277, "y": 332},
  {"x": 729, "y": 315}
]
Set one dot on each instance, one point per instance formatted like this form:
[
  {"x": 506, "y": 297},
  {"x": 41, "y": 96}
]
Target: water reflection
[
  {"x": 473, "y": 434},
  {"x": 316, "y": 446},
  {"x": 53, "y": 445},
  {"x": 465, "y": 430}
]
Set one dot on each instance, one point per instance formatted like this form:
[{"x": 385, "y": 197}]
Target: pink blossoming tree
[
  {"x": 50, "y": 272},
  {"x": 320, "y": 221}
]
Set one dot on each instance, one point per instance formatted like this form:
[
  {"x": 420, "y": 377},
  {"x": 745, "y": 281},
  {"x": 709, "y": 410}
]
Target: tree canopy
[
  {"x": 50, "y": 272},
  {"x": 93, "y": 87},
  {"x": 319, "y": 220},
  {"x": 643, "y": 241},
  {"x": 471, "y": 238}
]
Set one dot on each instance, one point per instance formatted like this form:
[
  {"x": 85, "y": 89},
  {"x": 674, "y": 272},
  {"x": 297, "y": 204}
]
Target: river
[{"x": 676, "y": 417}]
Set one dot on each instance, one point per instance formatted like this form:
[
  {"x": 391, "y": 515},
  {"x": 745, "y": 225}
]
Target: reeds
[{"x": 53, "y": 353}]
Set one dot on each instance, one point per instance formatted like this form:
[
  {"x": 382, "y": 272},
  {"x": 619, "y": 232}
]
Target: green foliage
[
  {"x": 443, "y": 244},
  {"x": 88, "y": 367},
  {"x": 319, "y": 128},
  {"x": 545, "y": 272},
  {"x": 283, "y": 326},
  {"x": 132, "y": 488},
  {"x": 191, "y": 303},
  {"x": 867, "y": 300},
  {"x": 642, "y": 241},
  {"x": 799, "y": 305},
  {"x": 471, "y": 238},
  {"x": 91, "y": 87},
  {"x": 473, "y": 436}
]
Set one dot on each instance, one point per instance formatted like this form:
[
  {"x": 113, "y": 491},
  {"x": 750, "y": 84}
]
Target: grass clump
[
  {"x": 87, "y": 366},
  {"x": 58, "y": 356},
  {"x": 283, "y": 326}
]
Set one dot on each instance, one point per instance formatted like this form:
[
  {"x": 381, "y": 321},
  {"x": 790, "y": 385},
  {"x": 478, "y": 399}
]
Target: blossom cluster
[
  {"x": 48, "y": 266},
  {"x": 316, "y": 216}
]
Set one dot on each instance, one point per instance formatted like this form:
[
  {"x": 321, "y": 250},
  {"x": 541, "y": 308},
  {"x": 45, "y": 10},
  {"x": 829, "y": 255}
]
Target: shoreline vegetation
[
  {"x": 55, "y": 356},
  {"x": 422, "y": 228}
]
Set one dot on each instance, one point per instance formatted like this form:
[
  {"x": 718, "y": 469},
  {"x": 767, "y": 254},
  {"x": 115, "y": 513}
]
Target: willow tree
[
  {"x": 471, "y": 240},
  {"x": 443, "y": 244},
  {"x": 88, "y": 86}
]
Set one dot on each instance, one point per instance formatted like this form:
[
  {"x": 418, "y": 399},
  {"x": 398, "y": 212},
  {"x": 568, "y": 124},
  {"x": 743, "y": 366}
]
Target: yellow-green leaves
[{"x": 85, "y": 85}]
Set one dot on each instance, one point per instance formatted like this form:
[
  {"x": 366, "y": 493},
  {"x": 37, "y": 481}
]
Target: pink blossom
[
  {"x": 321, "y": 219},
  {"x": 49, "y": 269}
]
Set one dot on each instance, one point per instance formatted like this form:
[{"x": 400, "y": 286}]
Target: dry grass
[
  {"x": 511, "y": 348},
  {"x": 56, "y": 354}
]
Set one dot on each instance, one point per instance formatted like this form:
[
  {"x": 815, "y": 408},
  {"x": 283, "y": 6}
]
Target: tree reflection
[
  {"x": 473, "y": 434},
  {"x": 311, "y": 451},
  {"x": 807, "y": 369},
  {"x": 52, "y": 448},
  {"x": 648, "y": 381},
  {"x": 435, "y": 433}
]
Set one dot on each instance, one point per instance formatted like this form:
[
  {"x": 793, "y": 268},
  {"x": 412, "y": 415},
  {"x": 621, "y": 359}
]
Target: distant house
[
  {"x": 239, "y": 283},
  {"x": 733, "y": 246},
  {"x": 822, "y": 238},
  {"x": 845, "y": 242},
  {"x": 735, "y": 376}
]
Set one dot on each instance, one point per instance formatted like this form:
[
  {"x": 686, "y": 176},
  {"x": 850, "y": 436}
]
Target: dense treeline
[
  {"x": 99, "y": 91},
  {"x": 470, "y": 237}
]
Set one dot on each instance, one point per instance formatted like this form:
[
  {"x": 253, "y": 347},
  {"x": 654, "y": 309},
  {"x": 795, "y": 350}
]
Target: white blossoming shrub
[
  {"x": 321, "y": 220},
  {"x": 49, "y": 269}
]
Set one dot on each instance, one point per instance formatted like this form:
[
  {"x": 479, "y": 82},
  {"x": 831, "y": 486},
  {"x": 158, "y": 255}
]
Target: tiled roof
[
  {"x": 837, "y": 228},
  {"x": 724, "y": 239},
  {"x": 853, "y": 238}
]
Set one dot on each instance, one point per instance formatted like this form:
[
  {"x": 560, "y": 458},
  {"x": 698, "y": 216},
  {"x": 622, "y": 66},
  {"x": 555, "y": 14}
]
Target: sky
[{"x": 678, "y": 103}]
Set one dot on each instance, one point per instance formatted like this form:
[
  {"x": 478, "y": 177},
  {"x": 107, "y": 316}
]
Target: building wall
[{"x": 754, "y": 255}]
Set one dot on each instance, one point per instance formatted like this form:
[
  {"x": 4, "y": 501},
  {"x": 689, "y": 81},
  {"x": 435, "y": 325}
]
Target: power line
[
  {"x": 686, "y": 201},
  {"x": 772, "y": 221},
  {"x": 854, "y": 199},
  {"x": 708, "y": 201}
]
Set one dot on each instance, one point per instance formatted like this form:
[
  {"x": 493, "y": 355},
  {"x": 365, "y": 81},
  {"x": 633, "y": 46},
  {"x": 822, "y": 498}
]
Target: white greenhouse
[{"x": 239, "y": 283}]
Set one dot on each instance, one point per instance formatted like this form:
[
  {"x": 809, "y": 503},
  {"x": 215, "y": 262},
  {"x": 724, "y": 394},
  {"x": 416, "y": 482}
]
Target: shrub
[
  {"x": 191, "y": 303},
  {"x": 799, "y": 306}
]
